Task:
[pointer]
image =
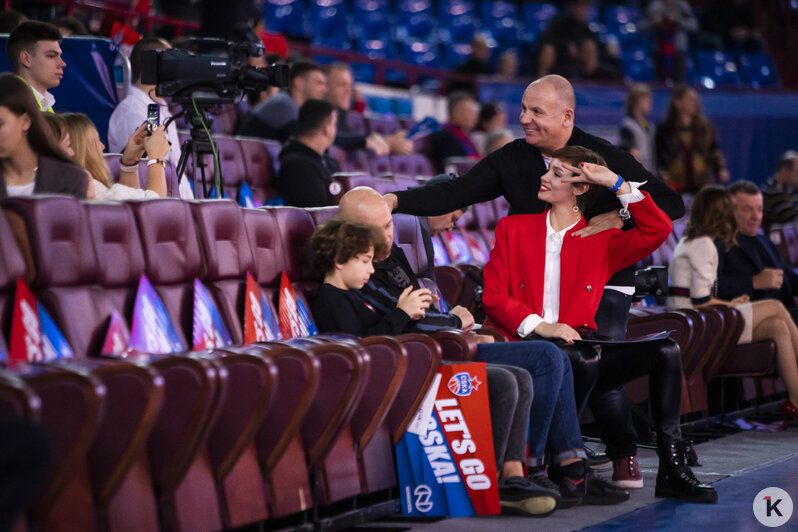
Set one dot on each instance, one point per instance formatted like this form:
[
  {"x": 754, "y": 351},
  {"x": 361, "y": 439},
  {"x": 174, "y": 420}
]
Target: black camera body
[
  {"x": 209, "y": 78},
  {"x": 651, "y": 281}
]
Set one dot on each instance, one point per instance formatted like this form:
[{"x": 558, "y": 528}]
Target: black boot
[
  {"x": 689, "y": 455},
  {"x": 675, "y": 480}
]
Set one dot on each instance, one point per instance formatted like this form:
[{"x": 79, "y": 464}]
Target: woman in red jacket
[{"x": 545, "y": 278}]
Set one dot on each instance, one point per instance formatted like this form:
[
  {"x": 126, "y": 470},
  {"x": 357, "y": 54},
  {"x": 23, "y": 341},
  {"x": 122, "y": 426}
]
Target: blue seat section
[
  {"x": 536, "y": 16},
  {"x": 623, "y": 23},
  {"x": 328, "y": 20},
  {"x": 415, "y": 20},
  {"x": 403, "y": 107},
  {"x": 637, "y": 65},
  {"x": 285, "y": 16},
  {"x": 500, "y": 18},
  {"x": 457, "y": 20},
  {"x": 717, "y": 69},
  {"x": 379, "y": 104},
  {"x": 372, "y": 19},
  {"x": 421, "y": 53},
  {"x": 455, "y": 53},
  {"x": 377, "y": 49},
  {"x": 758, "y": 71}
]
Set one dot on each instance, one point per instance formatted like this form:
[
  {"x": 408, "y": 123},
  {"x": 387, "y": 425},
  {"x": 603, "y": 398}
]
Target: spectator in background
[
  {"x": 35, "y": 55},
  {"x": 477, "y": 64},
  {"x": 497, "y": 139},
  {"x": 10, "y": 19},
  {"x": 507, "y": 66},
  {"x": 132, "y": 111},
  {"x": 698, "y": 262},
  {"x": 591, "y": 65},
  {"x": 636, "y": 134},
  {"x": 734, "y": 22},
  {"x": 84, "y": 142},
  {"x": 340, "y": 93},
  {"x": 753, "y": 266},
  {"x": 31, "y": 161},
  {"x": 559, "y": 43},
  {"x": 779, "y": 192},
  {"x": 687, "y": 151},
  {"x": 305, "y": 166},
  {"x": 671, "y": 22},
  {"x": 276, "y": 117},
  {"x": 452, "y": 140},
  {"x": 492, "y": 116},
  {"x": 69, "y": 25}
]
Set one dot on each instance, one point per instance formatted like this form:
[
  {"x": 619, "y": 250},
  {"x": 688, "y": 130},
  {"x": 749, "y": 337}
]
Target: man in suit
[
  {"x": 754, "y": 266},
  {"x": 514, "y": 171}
]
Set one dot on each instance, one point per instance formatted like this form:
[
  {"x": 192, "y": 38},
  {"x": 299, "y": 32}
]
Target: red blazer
[{"x": 513, "y": 287}]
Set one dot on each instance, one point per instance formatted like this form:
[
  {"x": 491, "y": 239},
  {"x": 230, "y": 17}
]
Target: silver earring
[{"x": 576, "y": 208}]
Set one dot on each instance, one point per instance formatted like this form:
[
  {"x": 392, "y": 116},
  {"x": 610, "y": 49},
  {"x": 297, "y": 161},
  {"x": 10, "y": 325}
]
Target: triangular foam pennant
[
  {"x": 246, "y": 198},
  {"x": 457, "y": 247},
  {"x": 26, "y": 333},
  {"x": 3, "y": 356},
  {"x": 54, "y": 345},
  {"x": 209, "y": 330},
  {"x": 295, "y": 320},
  {"x": 260, "y": 324},
  {"x": 152, "y": 330},
  {"x": 117, "y": 339},
  {"x": 34, "y": 335}
]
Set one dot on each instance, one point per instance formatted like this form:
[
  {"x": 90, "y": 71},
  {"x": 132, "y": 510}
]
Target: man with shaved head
[
  {"x": 514, "y": 171},
  {"x": 552, "y": 416}
]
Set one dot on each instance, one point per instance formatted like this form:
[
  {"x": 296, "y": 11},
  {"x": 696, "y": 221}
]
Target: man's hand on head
[
  {"x": 391, "y": 200},
  {"x": 466, "y": 319},
  {"x": 601, "y": 222}
]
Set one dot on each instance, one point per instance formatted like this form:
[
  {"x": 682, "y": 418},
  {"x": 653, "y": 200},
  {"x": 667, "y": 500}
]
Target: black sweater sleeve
[
  {"x": 350, "y": 141},
  {"x": 340, "y": 311}
]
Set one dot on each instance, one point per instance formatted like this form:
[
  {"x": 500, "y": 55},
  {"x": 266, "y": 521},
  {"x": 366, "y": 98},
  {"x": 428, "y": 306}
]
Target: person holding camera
[{"x": 131, "y": 112}]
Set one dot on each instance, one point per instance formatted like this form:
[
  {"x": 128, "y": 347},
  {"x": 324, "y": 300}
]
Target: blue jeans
[{"x": 553, "y": 422}]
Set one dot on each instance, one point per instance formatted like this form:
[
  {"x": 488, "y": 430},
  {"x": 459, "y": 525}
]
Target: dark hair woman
[
  {"x": 31, "y": 161},
  {"x": 541, "y": 280},
  {"x": 693, "y": 271}
]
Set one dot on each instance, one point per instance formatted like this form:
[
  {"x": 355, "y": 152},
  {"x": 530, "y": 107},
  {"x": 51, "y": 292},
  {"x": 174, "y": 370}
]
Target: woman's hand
[
  {"x": 415, "y": 302},
  {"x": 557, "y": 330},
  {"x": 156, "y": 144},
  {"x": 134, "y": 148},
  {"x": 590, "y": 173},
  {"x": 740, "y": 300}
]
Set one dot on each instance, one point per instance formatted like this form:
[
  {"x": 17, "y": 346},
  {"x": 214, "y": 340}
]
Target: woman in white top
[
  {"x": 88, "y": 152},
  {"x": 693, "y": 272}
]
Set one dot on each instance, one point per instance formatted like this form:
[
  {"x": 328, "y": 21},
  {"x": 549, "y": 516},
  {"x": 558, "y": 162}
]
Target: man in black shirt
[
  {"x": 514, "y": 171},
  {"x": 305, "y": 166},
  {"x": 754, "y": 266}
]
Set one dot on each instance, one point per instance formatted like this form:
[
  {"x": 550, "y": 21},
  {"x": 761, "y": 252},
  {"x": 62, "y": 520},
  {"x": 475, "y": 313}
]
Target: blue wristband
[{"x": 617, "y": 185}]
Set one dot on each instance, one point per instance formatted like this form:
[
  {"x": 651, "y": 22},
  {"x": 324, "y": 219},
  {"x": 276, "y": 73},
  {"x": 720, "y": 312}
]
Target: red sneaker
[{"x": 626, "y": 473}]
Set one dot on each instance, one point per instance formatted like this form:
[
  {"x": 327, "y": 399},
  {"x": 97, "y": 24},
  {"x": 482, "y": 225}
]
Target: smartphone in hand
[{"x": 153, "y": 117}]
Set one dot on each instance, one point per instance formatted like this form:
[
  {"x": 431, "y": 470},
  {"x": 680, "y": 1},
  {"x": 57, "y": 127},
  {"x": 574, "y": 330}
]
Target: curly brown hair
[
  {"x": 574, "y": 155},
  {"x": 712, "y": 215},
  {"x": 336, "y": 241}
]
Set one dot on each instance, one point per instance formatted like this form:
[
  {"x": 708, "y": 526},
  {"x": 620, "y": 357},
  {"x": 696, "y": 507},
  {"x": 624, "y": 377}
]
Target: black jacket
[
  {"x": 346, "y": 311},
  {"x": 514, "y": 171},
  {"x": 304, "y": 175},
  {"x": 55, "y": 177},
  {"x": 391, "y": 276},
  {"x": 737, "y": 267}
]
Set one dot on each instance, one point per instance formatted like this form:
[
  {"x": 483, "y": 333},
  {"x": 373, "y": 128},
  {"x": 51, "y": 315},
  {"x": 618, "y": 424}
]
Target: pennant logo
[
  {"x": 260, "y": 324},
  {"x": 117, "y": 339},
  {"x": 463, "y": 384},
  {"x": 295, "y": 320},
  {"x": 209, "y": 328},
  {"x": 153, "y": 331},
  {"x": 246, "y": 198},
  {"x": 34, "y": 335}
]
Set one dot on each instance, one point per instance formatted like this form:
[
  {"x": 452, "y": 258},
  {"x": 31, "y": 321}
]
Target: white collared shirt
[
  {"x": 46, "y": 100},
  {"x": 551, "y": 272},
  {"x": 129, "y": 115}
]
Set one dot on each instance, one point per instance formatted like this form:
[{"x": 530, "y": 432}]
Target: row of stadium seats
[{"x": 160, "y": 435}]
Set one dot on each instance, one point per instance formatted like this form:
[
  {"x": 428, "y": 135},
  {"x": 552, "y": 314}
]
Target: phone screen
[{"x": 153, "y": 117}]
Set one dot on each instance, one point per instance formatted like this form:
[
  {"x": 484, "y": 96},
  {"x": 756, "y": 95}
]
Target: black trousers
[{"x": 612, "y": 408}]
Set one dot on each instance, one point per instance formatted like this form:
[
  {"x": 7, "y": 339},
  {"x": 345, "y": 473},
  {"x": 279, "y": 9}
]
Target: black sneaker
[
  {"x": 519, "y": 496},
  {"x": 587, "y": 489},
  {"x": 539, "y": 477}
]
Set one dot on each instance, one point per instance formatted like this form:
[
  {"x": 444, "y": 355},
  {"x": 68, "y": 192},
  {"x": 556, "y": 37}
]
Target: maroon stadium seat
[
  {"x": 380, "y": 166},
  {"x": 260, "y": 169},
  {"x": 383, "y": 126}
]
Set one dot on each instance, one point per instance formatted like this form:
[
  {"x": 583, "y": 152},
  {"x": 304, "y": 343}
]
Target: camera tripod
[{"x": 198, "y": 144}]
